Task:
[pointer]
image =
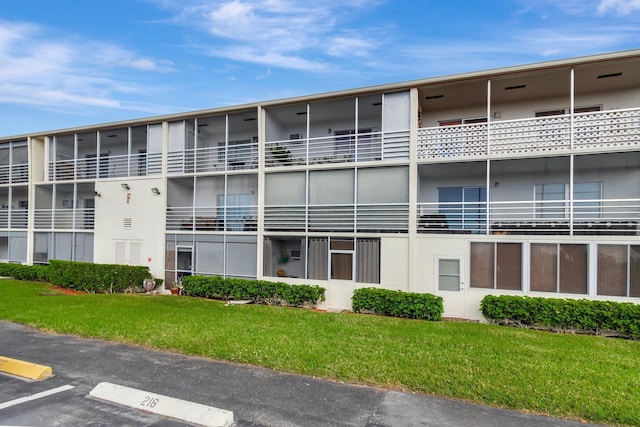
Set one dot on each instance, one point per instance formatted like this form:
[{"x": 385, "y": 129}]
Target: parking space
[{"x": 62, "y": 401}]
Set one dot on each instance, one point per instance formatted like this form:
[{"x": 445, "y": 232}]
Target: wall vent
[{"x": 127, "y": 223}]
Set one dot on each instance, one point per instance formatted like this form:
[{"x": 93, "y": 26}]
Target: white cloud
[
  {"x": 621, "y": 7},
  {"x": 290, "y": 34},
  {"x": 38, "y": 67}
]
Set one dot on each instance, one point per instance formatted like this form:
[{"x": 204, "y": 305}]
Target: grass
[{"x": 572, "y": 376}]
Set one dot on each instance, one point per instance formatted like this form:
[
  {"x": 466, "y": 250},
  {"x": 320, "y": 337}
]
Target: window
[
  {"x": 464, "y": 207},
  {"x": 552, "y": 200},
  {"x": 341, "y": 251},
  {"x": 496, "y": 265},
  {"x": 449, "y": 274},
  {"x": 559, "y": 268},
  {"x": 619, "y": 270}
]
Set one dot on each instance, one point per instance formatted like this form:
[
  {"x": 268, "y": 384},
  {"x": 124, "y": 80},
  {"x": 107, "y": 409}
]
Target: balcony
[
  {"x": 213, "y": 218},
  {"x": 360, "y": 147},
  {"x": 373, "y": 218},
  {"x": 115, "y": 166},
  {"x": 64, "y": 219},
  {"x": 611, "y": 217},
  {"x": 237, "y": 155},
  {"x": 604, "y": 130}
]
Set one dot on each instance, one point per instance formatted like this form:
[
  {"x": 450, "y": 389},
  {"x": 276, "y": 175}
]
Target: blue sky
[{"x": 66, "y": 63}]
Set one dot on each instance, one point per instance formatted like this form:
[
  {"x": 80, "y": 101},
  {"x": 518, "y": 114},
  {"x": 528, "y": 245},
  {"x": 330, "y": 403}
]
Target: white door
[
  {"x": 450, "y": 285},
  {"x": 127, "y": 252}
]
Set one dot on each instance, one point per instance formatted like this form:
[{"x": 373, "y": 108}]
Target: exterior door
[
  {"x": 450, "y": 285},
  {"x": 184, "y": 261}
]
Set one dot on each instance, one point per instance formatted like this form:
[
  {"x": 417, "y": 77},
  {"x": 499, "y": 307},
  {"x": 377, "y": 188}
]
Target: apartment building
[{"x": 521, "y": 180}]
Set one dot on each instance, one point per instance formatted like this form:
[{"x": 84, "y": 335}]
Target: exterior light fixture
[
  {"x": 125, "y": 186},
  {"x": 155, "y": 191},
  {"x": 97, "y": 194}
]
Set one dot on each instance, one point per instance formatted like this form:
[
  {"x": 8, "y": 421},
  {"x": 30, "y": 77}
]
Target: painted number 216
[{"x": 149, "y": 402}]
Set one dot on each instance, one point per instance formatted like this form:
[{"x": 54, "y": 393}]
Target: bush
[
  {"x": 386, "y": 302},
  {"x": 587, "y": 316},
  {"x": 35, "y": 273},
  {"x": 257, "y": 291},
  {"x": 99, "y": 278}
]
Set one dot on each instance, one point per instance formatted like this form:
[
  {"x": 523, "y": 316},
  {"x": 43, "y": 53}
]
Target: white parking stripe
[{"x": 35, "y": 396}]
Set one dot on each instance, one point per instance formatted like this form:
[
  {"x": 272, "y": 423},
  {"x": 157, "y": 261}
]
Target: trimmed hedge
[
  {"x": 34, "y": 273},
  {"x": 98, "y": 278},
  {"x": 386, "y": 302},
  {"x": 257, "y": 291},
  {"x": 562, "y": 315}
]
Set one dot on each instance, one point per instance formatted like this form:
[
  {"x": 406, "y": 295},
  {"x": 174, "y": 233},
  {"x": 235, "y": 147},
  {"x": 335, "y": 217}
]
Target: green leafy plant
[
  {"x": 280, "y": 153},
  {"x": 257, "y": 291},
  {"x": 581, "y": 315},
  {"x": 98, "y": 278},
  {"x": 386, "y": 302},
  {"x": 36, "y": 273}
]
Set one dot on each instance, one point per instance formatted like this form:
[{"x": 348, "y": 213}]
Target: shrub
[
  {"x": 257, "y": 291},
  {"x": 589, "y": 316},
  {"x": 36, "y": 273},
  {"x": 100, "y": 278},
  {"x": 386, "y": 302}
]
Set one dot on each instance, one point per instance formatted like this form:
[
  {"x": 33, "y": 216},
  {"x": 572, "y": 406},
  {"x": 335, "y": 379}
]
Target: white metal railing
[
  {"x": 384, "y": 217},
  {"x": 360, "y": 147},
  {"x": 522, "y": 137},
  {"x": 14, "y": 173},
  {"x": 236, "y": 155},
  {"x": 590, "y": 216},
  {"x": 115, "y": 166},
  {"x": 65, "y": 218},
  {"x": 13, "y": 218},
  {"x": 213, "y": 218},
  {"x": 617, "y": 128}
]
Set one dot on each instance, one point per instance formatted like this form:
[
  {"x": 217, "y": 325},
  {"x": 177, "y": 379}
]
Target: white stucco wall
[{"x": 146, "y": 212}]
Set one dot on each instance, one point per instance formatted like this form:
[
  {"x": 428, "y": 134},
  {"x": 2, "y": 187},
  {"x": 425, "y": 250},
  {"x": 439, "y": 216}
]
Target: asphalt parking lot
[{"x": 257, "y": 397}]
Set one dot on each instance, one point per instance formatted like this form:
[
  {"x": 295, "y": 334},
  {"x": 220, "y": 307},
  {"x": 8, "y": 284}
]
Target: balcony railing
[
  {"x": 541, "y": 135},
  {"x": 64, "y": 219},
  {"x": 116, "y": 166},
  {"x": 234, "y": 156},
  {"x": 13, "y": 218},
  {"x": 374, "y": 218},
  {"x": 14, "y": 174},
  {"x": 213, "y": 218},
  {"x": 361, "y": 147},
  {"x": 590, "y": 217}
]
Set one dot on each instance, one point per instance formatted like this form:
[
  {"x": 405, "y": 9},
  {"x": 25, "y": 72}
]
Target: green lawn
[{"x": 582, "y": 377}]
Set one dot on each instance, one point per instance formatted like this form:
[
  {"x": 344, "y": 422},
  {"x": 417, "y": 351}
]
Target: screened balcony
[
  {"x": 343, "y": 200},
  {"x": 14, "y": 161},
  {"x": 113, "y": 153},
  {"x": 65, "y": 207},
  {"x": 533, "y": 196},
  {"x": 361, "y": 129},
  {"x": 13, "y": 207},
  {"x": 217, "y": 203},
  {"x": 211, "y": 144}
]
